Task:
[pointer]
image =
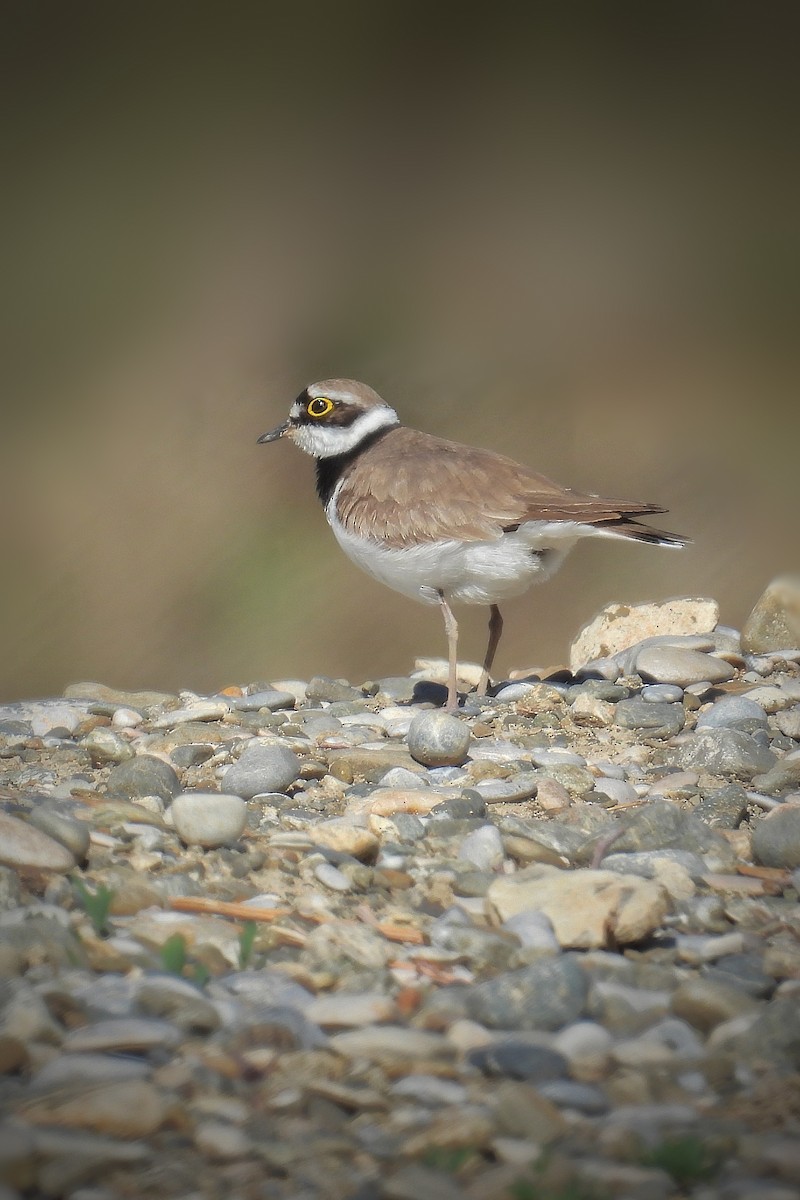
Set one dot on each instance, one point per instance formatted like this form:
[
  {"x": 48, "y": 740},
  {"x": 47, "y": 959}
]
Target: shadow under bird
[{"x": 438, "y": 521}]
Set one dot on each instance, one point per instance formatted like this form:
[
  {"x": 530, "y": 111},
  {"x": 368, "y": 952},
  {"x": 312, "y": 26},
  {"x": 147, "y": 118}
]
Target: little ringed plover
[{"x": 438, "y": 521}]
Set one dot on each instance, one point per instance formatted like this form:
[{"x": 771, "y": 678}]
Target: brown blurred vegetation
[{"x": 566, "y": 232}]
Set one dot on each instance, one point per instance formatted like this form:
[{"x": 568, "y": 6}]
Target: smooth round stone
[
  {"x": 745, "y": 971},
  {"x": 547, "y": 995},
  {"x": 516, "y": 1058},
  {"x": 143, "y": 775},
  {"x": 23, "y": 846},
  {"x": 788, "y": 722},
  {"x": 346, "y": 837},
  {"x": 208, "y": 818},
  {"x": 436, "y": 739},
  {"x": 261, "y": 767},
  {"x": 331, "y": 877},
  {"x": 191, "y": 754},
  {"x": 776, "y": 838},
  {"x": 520, "y": 787},
  {"x": 723, "y": 751},
  {"x": 136, "y": 1035},
  {"x": 270, "y": 698},
  {"x": 674, "y": 664},
  {"x": 483, "y": 848},
  {"x": 774, "y": 623},
  {"x": 534, "y": 930},
  {"x": 67, "y": 830},
  {"x": 668, "y": 693},
  {"x": 733, "y": 711},
  {"x": 556, "y": 756},
  {"x": 460, "y": 808},
  {"x": 399, "y": 777},
  {"x": 429, "y": 1090},
  {"x": 580, "y": 1097},
  {"x": 658, "y": 719},
  {"x": 618, "y": 790},
  {"x": 106, "y": 746},
  {"x": 332, "y": 690}
]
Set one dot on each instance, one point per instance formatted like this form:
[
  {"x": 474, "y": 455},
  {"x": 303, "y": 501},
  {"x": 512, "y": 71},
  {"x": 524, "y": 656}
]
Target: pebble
[
  {"x": 657, "y": 693},
  {"x": 517, "y": 1059},
  {"x": 774, "y": 623},
  {"x": 776, "y": 838},
  {"x": 736, "y": 712},
  {"x": 26, "y": 848},
  {"x": 588, "y": 909},
  {"x": 724, "y": 752},
  {"x": 657, "y": 718},
  {"x": 69, "y": 832},
  {"x": 261, "y": 767},
  {"x": 436, "y": 739},
  {"x": 483, "y": 847},
  {"x": 208, "y": 818},
  {"x": 144, "y": 775},
  {"x": 673, "y": 664},
  {"x": 331, "y": 877},
  {"x": 548, "y": 994}
]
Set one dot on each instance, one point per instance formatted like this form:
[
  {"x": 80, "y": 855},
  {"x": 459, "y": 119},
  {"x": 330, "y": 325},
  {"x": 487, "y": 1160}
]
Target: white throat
[{"x": 326, "y": 442}]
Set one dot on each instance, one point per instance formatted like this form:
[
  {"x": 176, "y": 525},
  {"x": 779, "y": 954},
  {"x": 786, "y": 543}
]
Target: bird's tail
[{"x": 635, "y": 531}]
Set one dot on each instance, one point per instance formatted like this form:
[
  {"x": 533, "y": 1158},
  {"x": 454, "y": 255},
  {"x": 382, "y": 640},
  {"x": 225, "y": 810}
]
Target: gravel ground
[{"x": 310, "y": 940}]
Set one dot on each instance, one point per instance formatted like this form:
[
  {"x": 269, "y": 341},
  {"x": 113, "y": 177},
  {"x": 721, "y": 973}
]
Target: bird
[{"x": 441, "y": 522}]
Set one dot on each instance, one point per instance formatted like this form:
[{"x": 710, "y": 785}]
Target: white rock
[
  {"x": 588, "y": 909},
  {"x": 619, "y": 626},
  {"x": 208, "y": 818}
]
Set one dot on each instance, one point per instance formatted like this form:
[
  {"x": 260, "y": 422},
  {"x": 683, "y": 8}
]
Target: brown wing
[{"x": 411, "y": 487}]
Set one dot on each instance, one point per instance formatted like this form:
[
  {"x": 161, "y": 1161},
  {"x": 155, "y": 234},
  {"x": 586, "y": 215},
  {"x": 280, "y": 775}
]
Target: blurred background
[{"x": 565, "y": 232}]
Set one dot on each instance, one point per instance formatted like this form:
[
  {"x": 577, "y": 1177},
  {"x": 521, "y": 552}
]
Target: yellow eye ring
[{"x": 320, "y": 406}]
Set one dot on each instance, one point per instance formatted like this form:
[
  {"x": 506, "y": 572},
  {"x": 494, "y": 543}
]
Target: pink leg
[{"x": 451, "y": 629}]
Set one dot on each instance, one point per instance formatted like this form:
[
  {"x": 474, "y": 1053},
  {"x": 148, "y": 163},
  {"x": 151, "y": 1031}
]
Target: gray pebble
[
  {"x": 483, "y": 847},
  {"x": 399, "y": 777},
  {"x": 723, "y": 752},
  {"x": 674, "y": 664},
  {"x": 779, "y": 778},
  {"x": 322, "y": 688},
  {"x": 776, "y": 838},
  {"x": 516, "y": 1058},
  {"x": 331, "y": 877},
  {"x": 548, "y": 994},
  {"x": 657, "y": 718},
  {"x": 436, "y": 739},
  {"x": 271, "y": 699},
  {"x": 723, "y": 808},
  {"x": 735, "y": 712},
  {"x": 22, "y": 846},
  {"x": 208, "y": 818},
  {"x": 668, "y": 693},
  {"x": 144, "y": 775},
  {"x": 618, "y": 790},
  {"x": 534, "y": 930},
  {"x": 261, "y": 767},
  {"x": 579, "y": 1097},
  {"x": 68, "y": 831}
]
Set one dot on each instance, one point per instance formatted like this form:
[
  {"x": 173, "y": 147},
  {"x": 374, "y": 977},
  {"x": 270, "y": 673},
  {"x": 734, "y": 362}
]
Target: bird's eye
[{"x": 320, "y": 406}]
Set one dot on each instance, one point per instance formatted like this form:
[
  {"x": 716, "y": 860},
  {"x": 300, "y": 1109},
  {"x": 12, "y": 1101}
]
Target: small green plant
[
  {"x": 95, "y": 904},
  {"x": 530, "y": 1189},
  {"x": 173, "y": 954},
  {"x": 247, "y": 937},
  {"x": 687, "y": 1159},
  {"x": 448, "y": 1158}
]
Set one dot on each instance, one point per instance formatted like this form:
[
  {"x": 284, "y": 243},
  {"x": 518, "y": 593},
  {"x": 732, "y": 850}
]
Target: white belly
[{"x": 466, "y": 572}]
